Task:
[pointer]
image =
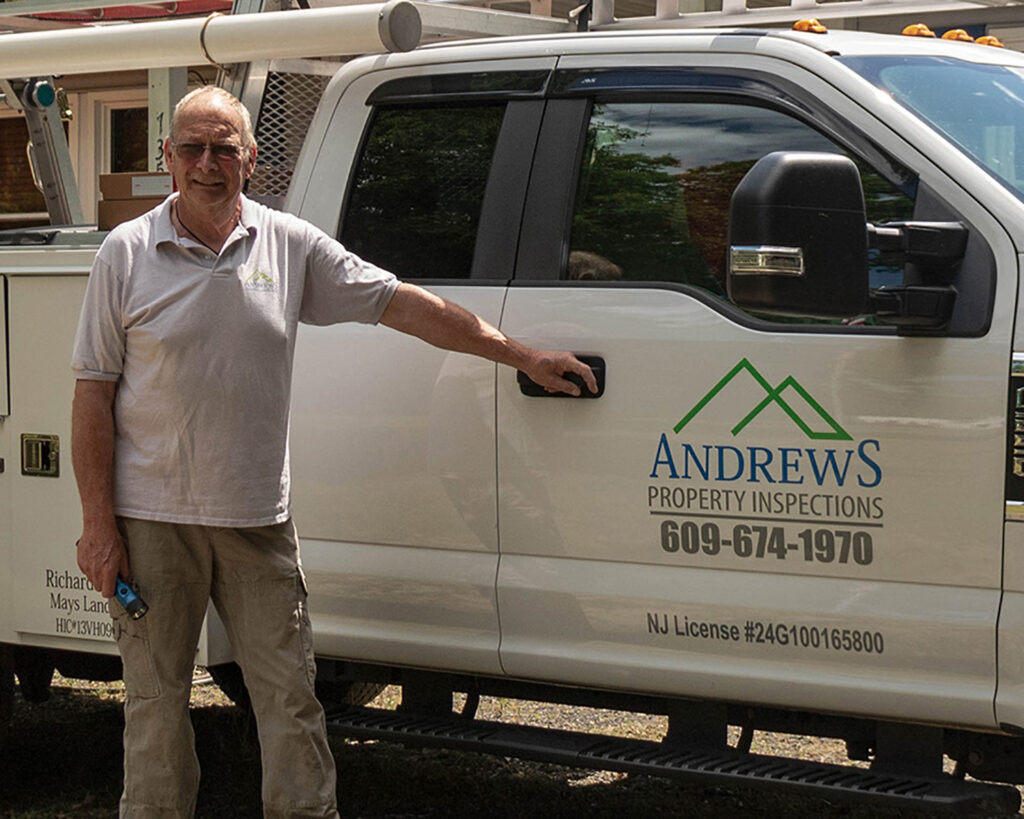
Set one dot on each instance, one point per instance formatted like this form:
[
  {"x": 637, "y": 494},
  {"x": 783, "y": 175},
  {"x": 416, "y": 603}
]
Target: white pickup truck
[{"x": 797, "y": 503}]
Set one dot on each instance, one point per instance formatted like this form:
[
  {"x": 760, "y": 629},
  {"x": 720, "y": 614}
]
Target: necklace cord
[{"x": 188, "y": 230}]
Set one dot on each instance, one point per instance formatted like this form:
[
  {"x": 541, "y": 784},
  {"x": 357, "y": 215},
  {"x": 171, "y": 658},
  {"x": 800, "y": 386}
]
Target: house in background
[{"x": 108, "y": 126}]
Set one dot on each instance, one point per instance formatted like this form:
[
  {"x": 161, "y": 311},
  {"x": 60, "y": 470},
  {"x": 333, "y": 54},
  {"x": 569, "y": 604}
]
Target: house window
[{"x": 129, "y": 139}]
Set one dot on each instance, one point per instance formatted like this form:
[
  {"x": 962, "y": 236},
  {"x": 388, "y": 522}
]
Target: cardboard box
[
  {"x": 134, "y": 185},
  {"x": 112, "y": 212},
  {"x": 127, "y": 195}
]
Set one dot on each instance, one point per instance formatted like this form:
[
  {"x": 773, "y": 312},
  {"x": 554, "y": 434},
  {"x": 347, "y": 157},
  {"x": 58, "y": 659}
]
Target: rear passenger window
[
  {"x": 653, "y": 197},
  {"x": 414, "y": 202}
]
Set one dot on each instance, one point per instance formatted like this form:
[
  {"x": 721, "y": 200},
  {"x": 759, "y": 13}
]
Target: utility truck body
[{"x": 798, "y": 501}]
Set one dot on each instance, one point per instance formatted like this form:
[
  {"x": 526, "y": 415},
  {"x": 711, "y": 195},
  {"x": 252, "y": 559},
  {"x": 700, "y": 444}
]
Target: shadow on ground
[{"x": 63, "y": 759}]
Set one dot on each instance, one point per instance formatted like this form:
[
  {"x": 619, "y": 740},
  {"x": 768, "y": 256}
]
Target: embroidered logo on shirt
[{"x": 260, "y": 281}]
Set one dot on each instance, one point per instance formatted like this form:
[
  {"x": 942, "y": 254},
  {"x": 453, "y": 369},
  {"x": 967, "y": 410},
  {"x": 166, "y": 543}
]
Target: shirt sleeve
[
  {"x": 98, "y": 353},
  {"x": 340, "y": 286}
]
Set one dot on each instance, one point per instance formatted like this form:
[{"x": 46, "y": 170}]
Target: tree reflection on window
[
  {"x": 657, "y": 178},
  {"x": 416, "y": 194}
]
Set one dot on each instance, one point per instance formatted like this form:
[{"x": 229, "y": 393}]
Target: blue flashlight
[{"x": 127, "y": 597}]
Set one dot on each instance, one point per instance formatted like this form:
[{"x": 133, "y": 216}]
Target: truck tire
[
  {"x": 77, "y": 665},
  {"x": 330, "y": 692},
  {"x": 34, "y": 668},
  {"x": 6, "y": 692}
]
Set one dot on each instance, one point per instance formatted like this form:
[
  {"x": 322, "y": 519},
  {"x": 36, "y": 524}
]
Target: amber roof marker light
[
  {"x": 958, "y": 34},
  {"x": 810, "y": 24},
  {"x": 989, "y": 40},
  {"x": 918, "y": 30}
]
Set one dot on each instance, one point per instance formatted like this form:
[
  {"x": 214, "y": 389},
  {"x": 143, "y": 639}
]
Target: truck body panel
[{"x": 400, "y": 545}]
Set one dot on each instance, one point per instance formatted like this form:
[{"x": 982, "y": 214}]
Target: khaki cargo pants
[{"x": 254, "y": 578}]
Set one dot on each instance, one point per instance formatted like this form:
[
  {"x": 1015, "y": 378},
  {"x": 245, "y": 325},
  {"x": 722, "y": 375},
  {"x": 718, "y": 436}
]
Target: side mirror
[{"x": 798, "y": 241}]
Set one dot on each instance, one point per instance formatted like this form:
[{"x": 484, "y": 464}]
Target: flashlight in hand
[{"x": 127, "y": 597}]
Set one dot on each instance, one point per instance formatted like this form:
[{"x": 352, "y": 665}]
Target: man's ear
[{"x": 251, "y": 163}]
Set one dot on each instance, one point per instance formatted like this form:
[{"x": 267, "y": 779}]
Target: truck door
[
  {"x": 393, "y": 441},
  {"x": 780, "y": 512}
]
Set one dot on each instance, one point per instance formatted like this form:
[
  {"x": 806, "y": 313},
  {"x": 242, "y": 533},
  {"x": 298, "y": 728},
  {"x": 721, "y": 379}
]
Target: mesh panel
[{"x": 287, "y": 110}]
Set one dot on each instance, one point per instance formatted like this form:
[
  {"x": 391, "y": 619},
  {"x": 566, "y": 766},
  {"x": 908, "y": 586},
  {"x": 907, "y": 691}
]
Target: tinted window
[
  {"x": 980, "y": 108},
  {"x": 655, "y": 185},
  {"x": 414, "y": 202}
]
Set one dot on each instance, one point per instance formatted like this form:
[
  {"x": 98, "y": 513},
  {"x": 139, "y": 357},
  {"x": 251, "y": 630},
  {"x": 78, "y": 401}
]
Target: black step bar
[{"x": 726, "y": 767}]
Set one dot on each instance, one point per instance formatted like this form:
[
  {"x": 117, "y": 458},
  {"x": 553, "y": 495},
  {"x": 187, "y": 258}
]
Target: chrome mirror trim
[{"x": 766, "y": 260}]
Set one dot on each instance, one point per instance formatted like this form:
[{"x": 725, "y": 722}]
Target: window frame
[
  {"x": 104, "y": 106},
  {"x": 89, "y": 138}
]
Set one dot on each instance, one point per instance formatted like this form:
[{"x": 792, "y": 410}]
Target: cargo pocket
[
  {"x": 132, "y": 636},
  {"x": 305, "y": 628}
]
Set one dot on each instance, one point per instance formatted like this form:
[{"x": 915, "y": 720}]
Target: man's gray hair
[{"x": 216, "y": 93}]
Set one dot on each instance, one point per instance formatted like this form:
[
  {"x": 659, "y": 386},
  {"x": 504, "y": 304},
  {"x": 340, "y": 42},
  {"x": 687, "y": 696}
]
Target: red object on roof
[{"x": 183, "y": 8}]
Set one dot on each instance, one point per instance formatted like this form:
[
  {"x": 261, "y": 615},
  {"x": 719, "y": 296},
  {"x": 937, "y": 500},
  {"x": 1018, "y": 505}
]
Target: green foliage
[
  {"x": 418, "y": 189},
  {"x": 707, "y": 192},
  {"x": 630, "y": 210},
  {"x": 659, "y": 224}
]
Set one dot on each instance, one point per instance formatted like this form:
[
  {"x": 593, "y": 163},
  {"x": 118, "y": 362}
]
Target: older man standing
[{"x": 183, "y": 360}]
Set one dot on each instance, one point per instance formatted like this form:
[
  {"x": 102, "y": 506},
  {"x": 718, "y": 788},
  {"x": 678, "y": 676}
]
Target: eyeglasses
[{"x": 224, "y": 151}]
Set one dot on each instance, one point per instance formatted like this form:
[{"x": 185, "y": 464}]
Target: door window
[
  {"x": 652, "y": 202},
  {"x": 415, "y": 199}
]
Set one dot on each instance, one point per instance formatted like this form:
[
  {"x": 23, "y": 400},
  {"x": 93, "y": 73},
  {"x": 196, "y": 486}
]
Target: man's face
[{"x": 206, "y": 157}]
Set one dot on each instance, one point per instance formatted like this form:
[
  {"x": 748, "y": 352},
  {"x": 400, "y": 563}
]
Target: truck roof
[{"x": 837, "y": 43}]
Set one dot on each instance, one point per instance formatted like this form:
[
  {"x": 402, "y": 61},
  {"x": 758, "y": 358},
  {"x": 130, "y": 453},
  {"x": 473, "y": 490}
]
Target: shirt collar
[
  {"x": 249, "y": 217},
  {"x": 164, "y": 231},
  {"x": 163, "y": 228}
]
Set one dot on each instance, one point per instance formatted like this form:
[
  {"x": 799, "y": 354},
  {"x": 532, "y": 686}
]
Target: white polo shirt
[{"x": 201, "y": 346}]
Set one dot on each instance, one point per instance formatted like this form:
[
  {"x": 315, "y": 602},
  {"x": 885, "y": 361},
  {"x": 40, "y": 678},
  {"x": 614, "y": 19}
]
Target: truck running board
[{"x": 726, "y": 767}]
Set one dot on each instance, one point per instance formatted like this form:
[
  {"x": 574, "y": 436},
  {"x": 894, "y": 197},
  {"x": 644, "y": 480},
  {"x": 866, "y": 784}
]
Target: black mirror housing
[{"x": 798, "y": 237}]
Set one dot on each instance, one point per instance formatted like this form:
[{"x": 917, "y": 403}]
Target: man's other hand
[{"x": 102, "y": 556}]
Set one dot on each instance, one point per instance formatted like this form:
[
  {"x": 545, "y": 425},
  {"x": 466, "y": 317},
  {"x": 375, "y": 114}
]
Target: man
[{"x": 183, "y": 361}]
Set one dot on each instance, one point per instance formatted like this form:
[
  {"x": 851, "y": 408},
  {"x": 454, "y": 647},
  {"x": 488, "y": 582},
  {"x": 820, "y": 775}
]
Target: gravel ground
[{"x": 63, "y": 760}]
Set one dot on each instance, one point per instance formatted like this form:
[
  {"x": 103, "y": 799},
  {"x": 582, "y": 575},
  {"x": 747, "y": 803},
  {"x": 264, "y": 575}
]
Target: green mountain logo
[
  {"x": 260, "y": 281},
  {"x": 774, "y": 395}
]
